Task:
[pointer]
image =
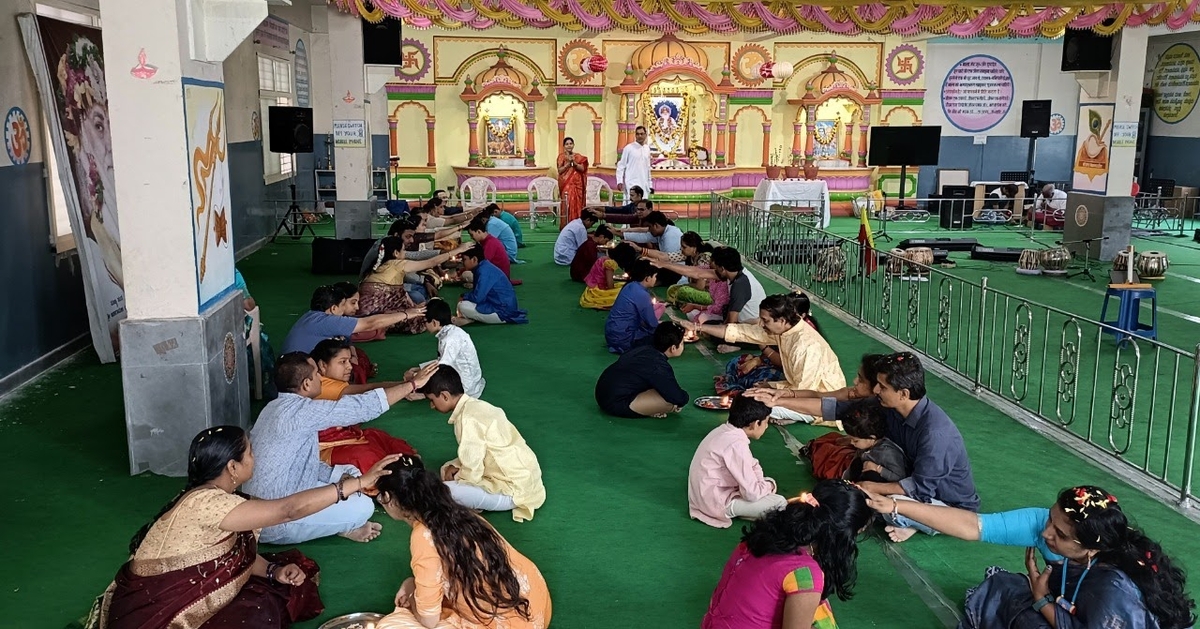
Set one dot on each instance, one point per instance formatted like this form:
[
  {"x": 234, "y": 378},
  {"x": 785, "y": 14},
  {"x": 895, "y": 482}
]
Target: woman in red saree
[
  {"x": 572, "y": 182},
  {"x": 196, "y": 565}
]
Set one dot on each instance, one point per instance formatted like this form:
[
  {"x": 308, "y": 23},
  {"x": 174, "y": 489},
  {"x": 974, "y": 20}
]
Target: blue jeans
[
  {"x": 342, "y": 517},
  {"x": 416, "y": 293},
  {"x": 905, "y": 523}
]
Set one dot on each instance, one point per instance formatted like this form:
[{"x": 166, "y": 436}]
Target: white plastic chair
[
  {"x": 254, "y": 342},
  {"x": 542, "y": 192},
  {"x": 476, "y": 193},
  {"x": 597, "y": 191}
]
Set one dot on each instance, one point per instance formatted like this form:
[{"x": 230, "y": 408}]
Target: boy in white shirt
[{"x": 455, "y": 349}]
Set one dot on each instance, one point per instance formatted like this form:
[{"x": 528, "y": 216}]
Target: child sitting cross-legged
[
  {"x": 455, "y": 348},
  {"x": 864, "y": 453},
  {"x": 725, "y": 481},
  {"x": 495, "y": 469}
]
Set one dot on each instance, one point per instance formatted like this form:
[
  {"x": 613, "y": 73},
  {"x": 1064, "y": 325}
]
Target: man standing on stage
[{"x": 634, "y": 167}]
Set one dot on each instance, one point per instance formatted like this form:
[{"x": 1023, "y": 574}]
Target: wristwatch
[{"x": 1042, "y": 602}]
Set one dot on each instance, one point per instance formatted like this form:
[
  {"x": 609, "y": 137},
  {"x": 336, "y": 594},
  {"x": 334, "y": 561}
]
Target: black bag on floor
[{"x": 339, "y": 257}]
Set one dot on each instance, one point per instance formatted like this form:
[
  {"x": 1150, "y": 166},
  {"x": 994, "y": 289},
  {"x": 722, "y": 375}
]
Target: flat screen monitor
[{"x": 904, "y": 146}]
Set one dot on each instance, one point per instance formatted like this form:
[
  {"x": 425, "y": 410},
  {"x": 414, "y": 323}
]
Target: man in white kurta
[{"x": 634, "y": 167}]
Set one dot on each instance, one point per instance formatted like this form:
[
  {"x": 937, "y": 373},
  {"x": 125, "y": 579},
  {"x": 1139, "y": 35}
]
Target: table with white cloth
[{"x": 794, "y": 194}]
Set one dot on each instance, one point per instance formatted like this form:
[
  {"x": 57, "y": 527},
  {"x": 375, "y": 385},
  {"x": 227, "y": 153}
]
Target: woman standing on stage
[{"x": 572, "y": 182}]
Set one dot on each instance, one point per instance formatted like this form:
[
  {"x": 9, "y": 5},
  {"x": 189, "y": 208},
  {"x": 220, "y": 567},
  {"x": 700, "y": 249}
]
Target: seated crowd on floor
[{"x": 311, "y": 467}]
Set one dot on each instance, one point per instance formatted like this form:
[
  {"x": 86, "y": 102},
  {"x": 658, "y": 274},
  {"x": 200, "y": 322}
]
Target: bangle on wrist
[
  {"x": 1042, "y": 602},
  {"x": 895, "y": 508},
  {"x": 338, "y": 485},
  {"x": 271, "y": 567}
]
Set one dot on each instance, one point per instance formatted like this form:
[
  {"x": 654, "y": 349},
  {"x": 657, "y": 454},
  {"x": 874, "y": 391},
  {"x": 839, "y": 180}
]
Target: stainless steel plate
[{"x": 360, "y": 620}]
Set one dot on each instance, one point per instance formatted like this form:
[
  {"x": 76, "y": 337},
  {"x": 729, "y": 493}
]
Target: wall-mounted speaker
[
  {"x": 1035, "y": 118},
  {"x": 381, "y": 42},
  {"x": 1084, "y": 51},
  {"x": 290, "y": 129}
]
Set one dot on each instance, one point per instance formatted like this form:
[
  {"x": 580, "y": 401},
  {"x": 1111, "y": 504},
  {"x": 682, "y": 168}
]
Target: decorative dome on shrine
[
  {"x": 832, "y": 78},
  {"x": 501, "y": 74},
  {"x": 668, "y": 51}
]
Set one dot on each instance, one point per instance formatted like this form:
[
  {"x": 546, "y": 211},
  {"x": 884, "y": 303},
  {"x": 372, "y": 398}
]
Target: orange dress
[
  {"x": 572, "y": 186},
  {"x": 431, "y": 588}
]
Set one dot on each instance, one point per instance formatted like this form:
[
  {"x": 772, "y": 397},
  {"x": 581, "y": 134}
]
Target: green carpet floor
[{"x": 613, "y": 540}]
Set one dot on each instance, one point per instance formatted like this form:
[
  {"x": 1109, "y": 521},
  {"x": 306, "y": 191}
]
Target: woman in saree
[
  {"x": 465, "y": 574},
  {"x": 572, "y": 182},
  {"x": 196, "y": 564},
  {"x": 602, "y": 285},
  {"x": 382, "y": 290},
  {"x": 1100, "y": 571},
  {"x": 693, "y": 251}
]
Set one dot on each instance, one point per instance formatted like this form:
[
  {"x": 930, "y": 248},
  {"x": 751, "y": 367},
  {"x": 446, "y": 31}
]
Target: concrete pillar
[
  {"x": 183, "y": 353},
  {"x": 1129, "y": 64},
  {"x": 596, "y": 126},
  {"x": 352, "y": 163},
  {"x": 729, "y": 159},
  {"x": 766, "y": 143}
]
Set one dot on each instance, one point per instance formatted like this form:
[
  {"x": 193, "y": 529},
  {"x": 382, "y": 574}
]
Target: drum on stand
[
  {"x": 1030, "y": 262},
  {"x": 1151, "y": 265},
  {"x": 896, "y": 261},
  {"x": 831, "y": 265},
  {"x": 1055, "y": 261},
  {"x": 918, "y": 261}
]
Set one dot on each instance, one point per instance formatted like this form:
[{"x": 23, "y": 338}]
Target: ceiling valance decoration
[{"x": 970, "y": 18}]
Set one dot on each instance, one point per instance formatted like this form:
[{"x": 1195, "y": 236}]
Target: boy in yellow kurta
[{"x": 495, "y": 469}]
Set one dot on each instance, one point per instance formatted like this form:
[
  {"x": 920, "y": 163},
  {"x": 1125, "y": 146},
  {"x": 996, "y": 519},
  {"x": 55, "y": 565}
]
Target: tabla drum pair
[
  {"x": 1121, "y": 262},
  {"x": 1151, "y": 265},
  {"x": 1055, "y": 261}
]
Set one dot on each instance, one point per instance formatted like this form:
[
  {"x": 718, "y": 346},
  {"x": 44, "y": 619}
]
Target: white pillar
[
  {"x": 1129, "y": 65},
  {"x": 182, "y": 347},
  {"x": 353, "y": 164}
]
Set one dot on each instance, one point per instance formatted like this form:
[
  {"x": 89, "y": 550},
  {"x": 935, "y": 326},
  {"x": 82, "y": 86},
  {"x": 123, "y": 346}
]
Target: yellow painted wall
[{"x": 538, "y": 54}]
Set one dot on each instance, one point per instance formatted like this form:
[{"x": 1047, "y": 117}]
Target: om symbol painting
[{"x": 18, "y": 140}]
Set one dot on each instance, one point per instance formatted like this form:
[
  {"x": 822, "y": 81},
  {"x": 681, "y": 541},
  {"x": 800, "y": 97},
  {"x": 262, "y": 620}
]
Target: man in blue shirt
[
  {"x": 659, "y": 231},
  {"x": 510, "y": 220},
  {"x": 326, "y": 318},
  {"x": 633, "y": 317},
  {"x": 491, "y": 298},
  {"x": 937, "y": 457},
  {"x": 631, "y": 213},
  {"x": 502, "y": 232}
]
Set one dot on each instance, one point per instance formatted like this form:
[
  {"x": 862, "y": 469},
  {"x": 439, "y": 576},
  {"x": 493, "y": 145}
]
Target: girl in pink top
[{"x": 791, "y": 561}]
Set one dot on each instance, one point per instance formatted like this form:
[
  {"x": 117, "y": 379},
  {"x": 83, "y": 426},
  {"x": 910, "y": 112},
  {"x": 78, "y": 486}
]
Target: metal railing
[{"x": 1117, "y": 398}]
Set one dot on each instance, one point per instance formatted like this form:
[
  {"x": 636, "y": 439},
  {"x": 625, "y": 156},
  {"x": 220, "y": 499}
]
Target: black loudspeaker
[
  {"x": 1035, "y": 119},
  {"x": 290, "y": 129},
  {"x": 339, "y": 257},
  {"x": 1084, "y": 50},
  {"x": 953, "y": 212},
  {"x": 381, "y": 42}
]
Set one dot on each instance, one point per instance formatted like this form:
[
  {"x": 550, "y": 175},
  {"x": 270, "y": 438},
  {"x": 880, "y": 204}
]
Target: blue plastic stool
[{"x": 1129, "y": 310}]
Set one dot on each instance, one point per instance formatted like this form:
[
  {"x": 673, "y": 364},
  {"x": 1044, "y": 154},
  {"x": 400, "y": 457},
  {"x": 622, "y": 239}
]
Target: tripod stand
[
  {"x": 883, "y": 211},
  {"x": 294, "y": 222},
  {"x": 1086, "y": 271}
]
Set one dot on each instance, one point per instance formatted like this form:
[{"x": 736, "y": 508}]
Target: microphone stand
[{"x": 1087, "y": 256}]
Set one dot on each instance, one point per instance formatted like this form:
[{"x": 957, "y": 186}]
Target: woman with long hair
[
  {"x": 791, "y": 561},
  {"x": 1100, "y": 570},
  {"x": 464, "y": 572},
  {"x": 196, "y": 564},
  {"x": 572, "y": 182},
  {"x": 382, "y": 290},
  {"x": 808, "y": 363}
]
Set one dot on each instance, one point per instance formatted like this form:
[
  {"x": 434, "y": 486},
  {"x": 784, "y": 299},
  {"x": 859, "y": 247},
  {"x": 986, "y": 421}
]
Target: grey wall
[
  {"x": 1173, "y": 158},
  {"x": 43, "y": 307},
  {"x": 986, "y": 161},
  {"x": 257, "y": 206}
]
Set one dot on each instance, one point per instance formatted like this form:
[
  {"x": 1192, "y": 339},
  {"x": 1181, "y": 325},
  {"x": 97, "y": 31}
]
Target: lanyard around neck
[{"x": 1069, "y": 605}]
